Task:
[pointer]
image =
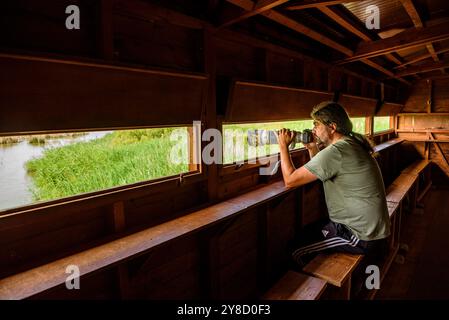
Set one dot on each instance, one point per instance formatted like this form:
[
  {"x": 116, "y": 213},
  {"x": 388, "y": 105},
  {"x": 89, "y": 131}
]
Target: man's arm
[
  {"x": 292, "y": 177},
  {"x": 312, "y": 148}
]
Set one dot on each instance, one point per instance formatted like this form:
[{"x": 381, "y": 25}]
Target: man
[{"x": 355, "y": 196}]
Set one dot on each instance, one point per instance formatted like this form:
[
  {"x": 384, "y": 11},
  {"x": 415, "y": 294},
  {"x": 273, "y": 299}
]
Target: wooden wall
[
  {"x": 426, "y": 117},
  {"x": 137, "y": 34}
]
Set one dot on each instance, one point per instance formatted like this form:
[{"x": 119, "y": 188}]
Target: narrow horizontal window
[
  {"x": 381, "y": 124},
  {"x": 237, "y": 148},
  {"x": 53, "y": 166},
  {"x": 359, "y": 125}
]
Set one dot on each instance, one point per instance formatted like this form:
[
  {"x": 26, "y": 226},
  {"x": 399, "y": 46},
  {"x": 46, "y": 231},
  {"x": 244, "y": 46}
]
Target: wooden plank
[
  {"x": 258, "y": 8},
  {"x": 318, "y": 4},
  {"x": 414, "y": 15},
  {"x": 149, "y": 12},
  {"x": 420, "y": 58},
  {"x": 296, "y": 26},
  {"x": 423, "y": 68},
  {"x": 296, "y": 286},
  {"x": 411, "y": 11},
  {"x": 345, "y": 23},
  {"x": 210, "y": 67},
  {"x": 385, "y": 71},
  {"x": 273, "y": 102},
  {"x": 416, "y": 167},
  {"x": 335, "y": 268},
  {"x": 93, "y": 96},
  {"x": 388, "y": 144},
  {"x": 42, "y": 278},
  {"x": 393, "y": 207},
  {"x": 440, "y": 152},
  {"x": 410, "y": 38}
]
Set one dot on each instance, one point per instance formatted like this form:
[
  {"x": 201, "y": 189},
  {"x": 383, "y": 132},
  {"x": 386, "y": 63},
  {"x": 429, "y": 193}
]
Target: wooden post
[
  {"x": 119, "y": 223},
  {"x": 211, "y": 113},
  {"x": 429, "y": 100},
  {"x": 105, "y": 30}
]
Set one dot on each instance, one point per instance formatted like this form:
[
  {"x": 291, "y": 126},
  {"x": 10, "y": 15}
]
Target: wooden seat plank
[
  {"x": 296, "y": 286},
  {"x": 335, "y": 268},
  {"x": 416, "y": 167}
]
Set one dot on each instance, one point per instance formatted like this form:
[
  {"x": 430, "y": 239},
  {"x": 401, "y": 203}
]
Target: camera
[{"x": 263, "y": 137}]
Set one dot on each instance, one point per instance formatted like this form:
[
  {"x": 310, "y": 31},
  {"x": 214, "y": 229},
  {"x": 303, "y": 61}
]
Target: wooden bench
[
  {"x": 406, "y": 186},
  {"x": 420, "y": 169},
  {"x": 296, "y": 286},
  {"x": 336, "y": 269},
  {"x": 50, "y": 275}
]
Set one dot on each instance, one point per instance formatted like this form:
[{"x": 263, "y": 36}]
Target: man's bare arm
[{"x": 292, "y": 177}]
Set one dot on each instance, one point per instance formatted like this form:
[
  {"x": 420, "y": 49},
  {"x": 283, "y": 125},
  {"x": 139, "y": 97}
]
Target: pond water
[{"x": 15, "y": 183}]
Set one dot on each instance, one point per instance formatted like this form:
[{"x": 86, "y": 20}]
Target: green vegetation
[
  {"x": 381, "y": 123},
  {"x": 236, "y": 148},
  {"x": 119, "y": 158},
  {"x": 358, "y": 125}
]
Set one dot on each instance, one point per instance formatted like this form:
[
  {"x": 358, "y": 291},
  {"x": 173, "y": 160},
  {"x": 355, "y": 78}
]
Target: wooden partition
[
  {"x": 251, "y": 101},
  {"x": 39, "y": 94}
]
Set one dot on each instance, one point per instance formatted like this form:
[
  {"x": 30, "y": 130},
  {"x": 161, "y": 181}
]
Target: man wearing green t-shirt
[{"x": 353, "y": 186}]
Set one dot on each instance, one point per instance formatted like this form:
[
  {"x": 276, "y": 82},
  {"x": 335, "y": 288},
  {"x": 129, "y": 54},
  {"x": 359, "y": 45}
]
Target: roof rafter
[
  {"x": 420, "y": 58},
  {"x": 347, "y": 24},
  {"x": 318, "y": 3},
  {"x": 410, "y": 38},
  {"x": 298, "y": 27},
  {"x": 424, "y": 68},
  {"x": 257, "y": 8},
  {"x": 414, "y": 15}
]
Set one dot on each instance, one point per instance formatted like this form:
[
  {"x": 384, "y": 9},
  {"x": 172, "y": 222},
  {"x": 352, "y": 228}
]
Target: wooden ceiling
[{"x": 412, "y": 42}]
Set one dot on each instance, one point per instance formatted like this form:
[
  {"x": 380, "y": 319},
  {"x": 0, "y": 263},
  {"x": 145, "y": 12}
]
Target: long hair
[{"x": 329, "y": 112}]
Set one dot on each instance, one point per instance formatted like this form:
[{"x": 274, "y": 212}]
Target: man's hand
[{"x": 285, "y": 137}]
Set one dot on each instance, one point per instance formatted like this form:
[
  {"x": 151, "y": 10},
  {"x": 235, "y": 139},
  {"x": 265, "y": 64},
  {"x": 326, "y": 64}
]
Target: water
[{"x": 15, "y": 183}]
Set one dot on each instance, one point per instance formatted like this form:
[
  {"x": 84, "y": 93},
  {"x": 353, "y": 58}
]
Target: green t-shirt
[{"x": 354, "y": 188}]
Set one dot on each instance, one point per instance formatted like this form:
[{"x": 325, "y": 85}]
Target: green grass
[
  {"x": 236, "y": 148},
  {"x": 381, "y": 123},
  {"x": 119, "y": 158}
]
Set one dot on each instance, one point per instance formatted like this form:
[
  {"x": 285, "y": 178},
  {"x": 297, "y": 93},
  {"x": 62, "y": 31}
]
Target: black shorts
[{"x": 335, "y": 237}]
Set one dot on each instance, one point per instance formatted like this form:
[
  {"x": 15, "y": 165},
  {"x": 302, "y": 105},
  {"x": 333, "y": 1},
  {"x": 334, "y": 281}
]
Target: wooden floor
[{"x": 424, "y": 273}]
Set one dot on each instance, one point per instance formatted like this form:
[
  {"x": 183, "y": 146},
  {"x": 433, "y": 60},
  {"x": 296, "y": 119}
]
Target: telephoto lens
[{"x": 263, "y": 137}]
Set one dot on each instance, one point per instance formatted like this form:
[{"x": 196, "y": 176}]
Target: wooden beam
[
  {"x": 210, "y": 67},
  {"x": 348, "y": 25},
  {"x": 440, "y": 151},
  {"x": 411, "y": 11},
  {"x": 423, "y": 68},
  {"x": 385, "y": 71},
  {"x": 410, "y": 38},
  {"x": 143, "y": 10},
  {"x": 296, "y": 26},
  {"x": 361, "y": 33},
  {"x": 318, "y": 4},
  {"x": 429, "y": 100},
  {"x": 432, "y": 52},
  {"x": 345, "y": 23},
  {"x": 257, "y": 8},
  {"x": 420, "y": 58},
  {"x": 414, "y": 15}
]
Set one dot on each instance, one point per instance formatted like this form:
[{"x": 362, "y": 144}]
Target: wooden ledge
[
  {"x": 42, "y": 278},
  {"x": 392, "y": 208},
  {"x": 388, "y": 144},
  {"x": 416, "y": 167},
  {"x": 296, "y": 286},
  {"x": 335, "y": 268}
]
